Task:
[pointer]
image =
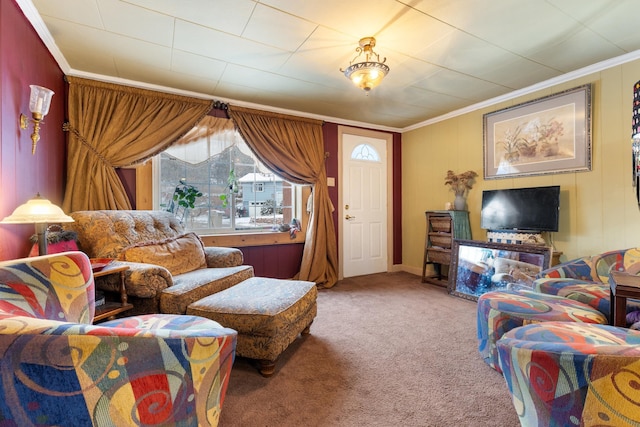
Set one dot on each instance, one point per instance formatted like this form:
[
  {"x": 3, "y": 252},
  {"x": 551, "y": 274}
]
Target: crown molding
[
  {"x": 573, "y": 75},
  {"x": 32, "y": 15}
]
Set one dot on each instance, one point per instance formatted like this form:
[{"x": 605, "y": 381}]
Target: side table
[
  {"x": 623, "y": 286},
  {"x": 442, "y": 228},
  {"x": 555, "y": 258},
  {"x": 110, "y": 309}
]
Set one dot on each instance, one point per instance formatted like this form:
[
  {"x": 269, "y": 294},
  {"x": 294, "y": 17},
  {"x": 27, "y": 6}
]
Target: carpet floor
[{"x": 384, "y": 350}]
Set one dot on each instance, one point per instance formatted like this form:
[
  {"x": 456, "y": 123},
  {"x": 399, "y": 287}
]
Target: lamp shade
[
  {"x": 366, "y": 75},
  {"x": 36, "y": 211},
  {"x": 40, "y": 100}
]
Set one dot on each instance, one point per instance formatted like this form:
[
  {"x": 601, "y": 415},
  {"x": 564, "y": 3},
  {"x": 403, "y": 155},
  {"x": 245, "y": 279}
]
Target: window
[
  {"x": 231, "y": 190},
  {"x": 365, "y": 152}
]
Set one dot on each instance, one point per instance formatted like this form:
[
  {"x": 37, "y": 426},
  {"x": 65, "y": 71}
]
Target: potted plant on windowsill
[{"x": 183, "y": 199}]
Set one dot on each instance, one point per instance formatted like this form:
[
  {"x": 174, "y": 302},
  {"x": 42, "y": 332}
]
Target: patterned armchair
[
  {"x": 58, "y": 369},
  {"x": 572, "y": 374},
  {"x": 587, "y": 279}
]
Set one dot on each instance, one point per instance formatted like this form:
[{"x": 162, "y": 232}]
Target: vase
[{"x": 459, "y": 203}]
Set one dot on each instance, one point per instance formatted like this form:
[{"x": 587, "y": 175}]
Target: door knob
[{"x": 349, "y": 217}]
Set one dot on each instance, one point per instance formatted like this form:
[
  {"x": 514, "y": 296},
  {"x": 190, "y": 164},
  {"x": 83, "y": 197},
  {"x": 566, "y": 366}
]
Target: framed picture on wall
[{"x": 546, "y": 135}]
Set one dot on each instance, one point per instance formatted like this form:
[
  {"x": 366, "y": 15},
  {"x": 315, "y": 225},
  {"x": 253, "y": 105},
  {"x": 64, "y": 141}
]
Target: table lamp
[{"x": 41, "y": 212}]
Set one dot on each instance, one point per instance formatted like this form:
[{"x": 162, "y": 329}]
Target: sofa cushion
[
  {"x": 197, "y": 284},
  {"x": 105, "y": 233},
  {"x": 180, "y": 254}
]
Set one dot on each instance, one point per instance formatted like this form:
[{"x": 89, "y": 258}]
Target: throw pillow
[{"x": 179, "y": 254}]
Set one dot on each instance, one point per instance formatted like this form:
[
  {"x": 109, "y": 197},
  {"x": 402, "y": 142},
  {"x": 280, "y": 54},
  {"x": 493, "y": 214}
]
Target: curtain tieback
[{"x": 66, "y": 126}]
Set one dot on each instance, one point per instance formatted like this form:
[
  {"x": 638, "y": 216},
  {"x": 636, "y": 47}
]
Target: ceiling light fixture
[{"x": 369, "y": 73}]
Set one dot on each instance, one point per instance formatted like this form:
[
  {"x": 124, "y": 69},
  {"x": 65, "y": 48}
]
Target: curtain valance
[{"x": 113, "y": 126}]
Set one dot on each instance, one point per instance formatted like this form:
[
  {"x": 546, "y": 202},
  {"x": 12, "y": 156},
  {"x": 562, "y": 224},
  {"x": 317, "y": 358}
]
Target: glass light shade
[
  {"x": 36, "y": 211},
  {"x": 366, "y": 75},
  {"x": 40, "y": 100}
]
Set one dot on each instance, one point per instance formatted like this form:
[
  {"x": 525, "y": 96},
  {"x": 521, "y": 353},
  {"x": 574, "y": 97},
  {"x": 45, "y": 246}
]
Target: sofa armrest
[
  {"x": 218, "y": 257},
  {"x": 581, "y": 268},
  {"x": 141, "y": 280},
  {"x": 555, "y": 285}
]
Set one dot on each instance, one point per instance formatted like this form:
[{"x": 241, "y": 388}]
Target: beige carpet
[{"x": 384, "y": 350}]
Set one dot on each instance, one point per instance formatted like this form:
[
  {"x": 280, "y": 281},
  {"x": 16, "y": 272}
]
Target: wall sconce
[
  {"x": 41, "y": 212},
  {"x": 39, "y": 106}
]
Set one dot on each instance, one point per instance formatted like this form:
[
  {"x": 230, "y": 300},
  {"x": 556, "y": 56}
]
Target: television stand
[
  {"x": 519, "y": 238},
  {"x": 516, "y": 237}
]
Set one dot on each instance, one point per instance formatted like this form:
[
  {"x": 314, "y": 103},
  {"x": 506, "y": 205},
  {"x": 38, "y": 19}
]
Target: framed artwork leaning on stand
[{"x": 478, "y": 267}]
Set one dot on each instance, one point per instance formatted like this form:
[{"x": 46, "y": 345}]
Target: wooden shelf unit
[
  {"x": 442, "y": 228},
  {"x": 109, "y": 310}
]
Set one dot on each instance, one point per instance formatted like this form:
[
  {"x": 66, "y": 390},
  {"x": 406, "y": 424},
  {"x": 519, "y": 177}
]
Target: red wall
[
  {"x": 277, "y": 261},
  {"x": 25, "y": 60}
]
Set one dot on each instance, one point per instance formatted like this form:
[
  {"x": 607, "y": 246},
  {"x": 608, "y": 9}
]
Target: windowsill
[{"x": 252, "y": 239}]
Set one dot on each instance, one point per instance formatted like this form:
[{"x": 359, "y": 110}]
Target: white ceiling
[{"x": 444, "y": 55}]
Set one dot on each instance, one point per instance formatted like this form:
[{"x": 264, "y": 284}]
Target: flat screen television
[{"x": 532, "y": 209}]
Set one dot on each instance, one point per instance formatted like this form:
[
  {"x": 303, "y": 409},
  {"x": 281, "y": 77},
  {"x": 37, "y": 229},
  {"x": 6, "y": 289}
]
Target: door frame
[{"x": 389, "y": 146}]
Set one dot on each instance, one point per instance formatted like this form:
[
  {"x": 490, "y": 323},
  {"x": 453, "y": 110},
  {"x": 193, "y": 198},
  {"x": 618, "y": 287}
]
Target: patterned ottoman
[
  {"x": 573, "y": 374},
  {"x": 501, "y": 311},
  {"x": 268, "y": 315}
]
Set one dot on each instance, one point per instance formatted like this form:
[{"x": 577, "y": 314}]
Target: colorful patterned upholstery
[
  {"x": 564, "y": 374},
  {"x": 587, "y": 279},
  {"x": 59, "y": 369},
  {"x": 501, "y": 311},
  {"x": 596, "y": 268},
  {"x": 123, "y": 233},
  {"x": 267, "y": 313},
  {"x": 580, "y": 269},
  {"x": 593, "y": 294}
]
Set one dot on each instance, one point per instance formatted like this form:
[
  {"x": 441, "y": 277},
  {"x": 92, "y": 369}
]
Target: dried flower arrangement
[{"x": 460, "y": 183}]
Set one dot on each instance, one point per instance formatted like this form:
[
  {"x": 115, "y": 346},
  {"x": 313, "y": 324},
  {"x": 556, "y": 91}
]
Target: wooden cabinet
[
  {"x": 555, "y": 258},
  {"x": 442, "y": 228},
  {"x": 109, "y": 310}
]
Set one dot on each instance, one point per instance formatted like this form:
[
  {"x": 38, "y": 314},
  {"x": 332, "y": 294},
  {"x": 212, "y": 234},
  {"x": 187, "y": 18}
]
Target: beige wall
[{"x": 598, "y": 208}]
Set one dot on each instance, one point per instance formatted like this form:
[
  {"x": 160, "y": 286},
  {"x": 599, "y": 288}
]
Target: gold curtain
[
  {"x": 112, "y": 126},
  {"x": 293, "y": 148},
  {"x": 208, "y": 126}
]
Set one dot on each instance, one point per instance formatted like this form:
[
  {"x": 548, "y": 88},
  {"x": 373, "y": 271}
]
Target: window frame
[{"x": 145, "y": 201}]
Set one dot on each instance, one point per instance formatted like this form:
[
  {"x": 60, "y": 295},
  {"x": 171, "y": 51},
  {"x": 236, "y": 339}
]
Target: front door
[{"x": 364, "y": 205}]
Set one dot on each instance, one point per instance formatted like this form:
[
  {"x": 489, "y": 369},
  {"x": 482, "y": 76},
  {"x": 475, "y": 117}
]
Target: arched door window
[{"x": 365, "y": 152}]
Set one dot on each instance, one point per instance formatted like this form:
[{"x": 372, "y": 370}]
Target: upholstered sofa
[
  {"x": 586, "y": 279},
  {"x": 169, "y": 268},
  {"x": 59, "y": 369},
  {"x": 572, "y": 374},
  {"x": 565, "y": 368},
  {"x": 576, "y": 290}
]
